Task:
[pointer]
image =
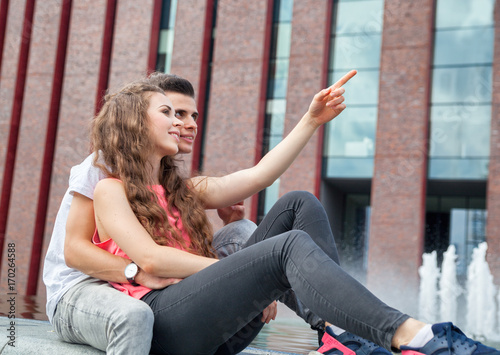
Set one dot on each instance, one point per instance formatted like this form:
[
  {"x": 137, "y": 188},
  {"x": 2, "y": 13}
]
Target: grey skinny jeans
[
  {"x": 235, "y": 236},
  {"x": 217, "y": 310}
]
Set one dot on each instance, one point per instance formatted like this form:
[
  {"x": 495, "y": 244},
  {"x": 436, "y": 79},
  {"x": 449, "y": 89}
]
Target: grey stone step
[{"x": 38, "y": 337}]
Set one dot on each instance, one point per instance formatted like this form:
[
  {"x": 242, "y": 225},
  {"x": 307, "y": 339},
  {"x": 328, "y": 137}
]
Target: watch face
[{"x": 131, "y": 270}]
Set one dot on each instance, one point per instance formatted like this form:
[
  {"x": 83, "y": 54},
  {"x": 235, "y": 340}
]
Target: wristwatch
[{"x": 131, "y": 271}]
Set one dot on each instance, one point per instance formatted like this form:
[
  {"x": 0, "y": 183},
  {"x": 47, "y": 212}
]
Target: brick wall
[
  {"x": 493, "y": 194},
  {"x": 305, "y": 79},
  {"x": 235, "y": 106},
  {"x": 399, "y": 180}
]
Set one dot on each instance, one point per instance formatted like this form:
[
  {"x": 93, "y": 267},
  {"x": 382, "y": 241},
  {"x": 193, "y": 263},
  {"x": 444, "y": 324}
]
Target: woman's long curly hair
[{"x": 122, "y": 143}]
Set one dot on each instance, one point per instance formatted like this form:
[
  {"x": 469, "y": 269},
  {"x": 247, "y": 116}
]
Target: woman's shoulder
[
  {"x": 109, "y": 186},
  {"x": 111, "y": 180}
]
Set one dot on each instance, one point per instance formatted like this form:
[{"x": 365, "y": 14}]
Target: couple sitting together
[{"x": 134, "y": 268}]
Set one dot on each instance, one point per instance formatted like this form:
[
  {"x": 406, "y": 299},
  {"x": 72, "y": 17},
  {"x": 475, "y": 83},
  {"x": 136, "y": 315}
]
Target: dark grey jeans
[
  {"x": 299, "y": 210},
  {"x": 217, "y": 310}
]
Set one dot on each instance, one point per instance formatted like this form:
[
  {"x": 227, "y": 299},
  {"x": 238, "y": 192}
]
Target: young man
[{"x": 76, "y": 271}]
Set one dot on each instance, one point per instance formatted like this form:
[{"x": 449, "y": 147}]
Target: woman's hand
[
  {"x": 155, "y": 282},
  {"x": 232, "y": 213},
  {"x": 269, "y": 313},
  {"x": 328, "y": 103}
]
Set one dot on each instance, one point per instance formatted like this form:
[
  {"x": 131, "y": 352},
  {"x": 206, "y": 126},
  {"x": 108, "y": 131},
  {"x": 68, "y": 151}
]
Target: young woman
[{"x": 147, "y": 212}]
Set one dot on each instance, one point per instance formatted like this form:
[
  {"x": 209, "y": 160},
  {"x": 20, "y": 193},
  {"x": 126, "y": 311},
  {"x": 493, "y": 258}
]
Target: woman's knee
[
  {"x": 303, "y": 200},
  {"x": 300, "y": 195},
  {"x": 298, "y": 237}
]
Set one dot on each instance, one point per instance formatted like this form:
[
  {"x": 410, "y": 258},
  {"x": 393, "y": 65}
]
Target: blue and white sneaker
[
  {"x": 448, "y": 339},
  {"x": 347, "y": 344}
]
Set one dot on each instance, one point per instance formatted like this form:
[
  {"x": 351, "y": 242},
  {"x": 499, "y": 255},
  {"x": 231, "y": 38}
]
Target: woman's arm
[
  {"x": 115, "y": 219},
  {"x": 229, "y": 189},
  {"x": 80, "y": 253}
]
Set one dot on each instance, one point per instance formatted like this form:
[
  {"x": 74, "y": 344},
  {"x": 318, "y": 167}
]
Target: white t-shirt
[{"x": 57, "y": 276}]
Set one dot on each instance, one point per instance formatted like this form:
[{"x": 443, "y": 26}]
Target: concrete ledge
[{"x": 38, "y": 337}]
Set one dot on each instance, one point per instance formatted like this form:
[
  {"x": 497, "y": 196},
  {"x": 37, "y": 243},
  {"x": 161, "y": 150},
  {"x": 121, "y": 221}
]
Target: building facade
[{"x": 412, "y": 165}]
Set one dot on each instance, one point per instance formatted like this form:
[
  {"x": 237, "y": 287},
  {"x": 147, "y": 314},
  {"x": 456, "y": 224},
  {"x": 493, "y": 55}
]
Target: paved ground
[{"x": 38, "y": 337}]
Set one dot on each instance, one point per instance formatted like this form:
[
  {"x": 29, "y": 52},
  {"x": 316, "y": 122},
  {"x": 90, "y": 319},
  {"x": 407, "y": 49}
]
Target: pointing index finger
[{"x": 344, "y": 79}]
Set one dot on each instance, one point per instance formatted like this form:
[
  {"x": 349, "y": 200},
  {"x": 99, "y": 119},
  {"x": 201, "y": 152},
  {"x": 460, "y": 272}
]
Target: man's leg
[
  {"x": 232, "y": 237},
  {"x": 93, "y": 312}
]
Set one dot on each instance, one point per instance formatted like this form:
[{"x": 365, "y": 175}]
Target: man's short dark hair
[{"x": 172, "y": 83}]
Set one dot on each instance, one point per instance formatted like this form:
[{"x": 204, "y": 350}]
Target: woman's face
[{"x": 165, "y": 127}]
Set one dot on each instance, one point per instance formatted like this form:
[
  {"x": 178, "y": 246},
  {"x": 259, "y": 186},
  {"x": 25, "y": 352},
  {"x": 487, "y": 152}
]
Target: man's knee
[
  {"x": 131, "y": 330},
  {"x": 138, "y": 317},
  {"x": 232, "y": 237}
]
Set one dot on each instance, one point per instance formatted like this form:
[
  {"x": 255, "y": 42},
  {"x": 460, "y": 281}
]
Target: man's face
[{"x": 185, "y": 110}]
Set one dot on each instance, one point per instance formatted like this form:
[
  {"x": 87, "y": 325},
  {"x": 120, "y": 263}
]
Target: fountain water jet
[
  {"x": 449, "y": 288},
  {"x": 429, "y": 275},
  {"x": 482, "y": 299},
  {"x": 481, "y": 305}
]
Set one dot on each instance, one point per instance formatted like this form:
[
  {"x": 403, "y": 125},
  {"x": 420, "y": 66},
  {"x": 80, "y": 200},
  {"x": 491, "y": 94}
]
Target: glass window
[
  {"x": 281, "y": 68},
  {"x": 165, "y": 48},
  {"x": 354, "y": 167},
  {"x": 461, "y": 46},
  {"x": 283, "y": 11},
  {"x": 461, "y": 90},
  {"x": 458, "y": 168},
  {"x": 280, "y": 40},
  {"x": 353, "y": 133},
  {"x": 467, "y": 230},
  {"x": 284, "y": 38},
  {"x": 276, "y": 110},
  {"x": 276, "y": 90},
  {"x": 272, "y": 195},
  {"x": 166, "y": 38},
  {"x": 277, "y": 126},
  {"x": 464, "y": 13},
  {"x": 276, "y": 106},
  {"x": 447, "y": 203},
  {"x": 460, "y": 221},
  {"x": 354, "y": 241},
  {"x": 278, "y": 80},
  {"x": 358, "y": 17},
  {"x": 477, "y": 203},
  {"x": 358, "y": 52},
  {"x": 460, "y": 131},
  {"x": 355, "y": 43},
  {"x": 462, "y": 84},
  {"x": 432, "y": 203},
  {"x": 363, "y": 90}
]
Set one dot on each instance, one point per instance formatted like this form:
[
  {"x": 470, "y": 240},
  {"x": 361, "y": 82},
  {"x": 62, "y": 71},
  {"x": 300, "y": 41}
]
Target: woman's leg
[
  {"x": 242, "y": 339},
  {"x": 229, "y": 294},
  {"x": 299, "y": 210}
]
